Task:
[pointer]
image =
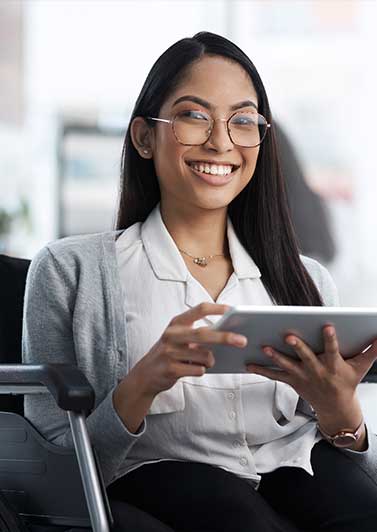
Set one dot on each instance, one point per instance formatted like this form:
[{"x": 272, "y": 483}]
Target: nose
[{"x": 219, "y": 139}]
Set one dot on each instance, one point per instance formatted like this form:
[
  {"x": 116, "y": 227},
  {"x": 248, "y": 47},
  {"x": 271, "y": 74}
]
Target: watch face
[{"x": 344, "y": 440}]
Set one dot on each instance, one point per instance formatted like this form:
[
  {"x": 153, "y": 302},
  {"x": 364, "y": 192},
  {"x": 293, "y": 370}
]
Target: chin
[{"x": 211, "y": 202}]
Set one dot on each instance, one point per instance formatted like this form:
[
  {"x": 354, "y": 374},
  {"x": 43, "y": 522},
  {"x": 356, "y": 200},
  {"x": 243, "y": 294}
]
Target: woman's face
[{"x": 222, "y": 87}]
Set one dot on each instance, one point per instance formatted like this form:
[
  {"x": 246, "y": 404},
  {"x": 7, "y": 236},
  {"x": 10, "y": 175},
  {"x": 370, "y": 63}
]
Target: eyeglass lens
[{"x": 246, "y": 129}]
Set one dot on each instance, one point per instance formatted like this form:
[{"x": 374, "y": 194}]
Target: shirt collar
[
  {"x": 163, "y": 254},
  {"x": 167, "y": 262}
]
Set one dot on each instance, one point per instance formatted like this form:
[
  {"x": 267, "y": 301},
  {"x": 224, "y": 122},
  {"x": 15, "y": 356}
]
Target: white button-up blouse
[{"x": 243, "y": 423}]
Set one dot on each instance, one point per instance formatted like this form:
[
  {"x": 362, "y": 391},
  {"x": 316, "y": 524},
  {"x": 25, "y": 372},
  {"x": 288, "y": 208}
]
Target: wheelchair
[{"x": 51, "y": 488}]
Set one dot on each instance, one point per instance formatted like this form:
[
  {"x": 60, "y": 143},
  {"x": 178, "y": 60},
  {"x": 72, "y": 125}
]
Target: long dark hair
[{"x": 260, "y": 213}]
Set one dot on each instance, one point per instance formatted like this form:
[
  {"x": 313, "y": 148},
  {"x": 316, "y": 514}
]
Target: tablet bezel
[{"x": 356, "y": 328}]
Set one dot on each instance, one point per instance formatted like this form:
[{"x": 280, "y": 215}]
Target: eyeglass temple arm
[
  {"x": 214, "y": 120},
  {"x": 159, "y": 119}
]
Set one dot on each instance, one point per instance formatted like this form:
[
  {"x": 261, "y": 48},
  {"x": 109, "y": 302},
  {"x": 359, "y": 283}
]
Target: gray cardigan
[{"x": 74, "y": 313}]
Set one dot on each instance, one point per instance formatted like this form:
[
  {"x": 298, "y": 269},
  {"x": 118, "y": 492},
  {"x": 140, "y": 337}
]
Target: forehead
[{"x": 216, "y": 79}]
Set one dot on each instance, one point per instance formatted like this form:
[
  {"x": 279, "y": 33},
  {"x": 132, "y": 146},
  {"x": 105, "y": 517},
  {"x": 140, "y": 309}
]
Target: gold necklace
[{"x": 201, "y": 261}]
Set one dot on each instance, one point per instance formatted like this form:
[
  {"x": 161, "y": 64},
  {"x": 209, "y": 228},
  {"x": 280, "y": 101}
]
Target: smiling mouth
[
  {"x": 215, "y": 175},
  {"x": 212, "y": 169}
]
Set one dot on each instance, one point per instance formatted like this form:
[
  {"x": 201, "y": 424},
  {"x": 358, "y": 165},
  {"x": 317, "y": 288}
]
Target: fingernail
[
  {"x": 239, "y": 340},
  {"x": 291, "y": 341},
  {"x": 252, "y": 368},
  {"x": 267, "y": 351}
]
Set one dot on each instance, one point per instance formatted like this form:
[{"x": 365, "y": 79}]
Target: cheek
[
  {"x": 166, "y": 152},
  {"x": 250, "y": 164},
  {"x": 169, "y": 161},
  {"x": 169, "y": 152}
]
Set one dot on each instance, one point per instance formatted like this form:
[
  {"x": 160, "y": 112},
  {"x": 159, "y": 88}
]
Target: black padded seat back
[
  {"x": 39, "y": 479},
  {"x": 13, "y": 274}
]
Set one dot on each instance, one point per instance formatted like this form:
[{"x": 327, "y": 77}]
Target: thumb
[{"x": 365, "y": 360}]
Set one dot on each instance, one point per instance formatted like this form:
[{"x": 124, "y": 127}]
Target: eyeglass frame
[{"x": 213, "y": 120}]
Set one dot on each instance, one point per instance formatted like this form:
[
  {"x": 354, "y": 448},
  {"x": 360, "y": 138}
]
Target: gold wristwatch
[{"x": 343, "y": 438}]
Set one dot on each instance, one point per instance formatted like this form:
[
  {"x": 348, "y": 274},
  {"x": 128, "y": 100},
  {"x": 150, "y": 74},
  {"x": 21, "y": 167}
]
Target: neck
[{"x": 200, "y": 232}]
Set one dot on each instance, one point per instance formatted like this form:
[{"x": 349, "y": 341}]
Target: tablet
[{"x": 356, "y": 328}]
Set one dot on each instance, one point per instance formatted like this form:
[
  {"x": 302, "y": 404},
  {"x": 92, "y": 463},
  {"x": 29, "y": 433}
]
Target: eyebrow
[{"x": 207, "y": 105}]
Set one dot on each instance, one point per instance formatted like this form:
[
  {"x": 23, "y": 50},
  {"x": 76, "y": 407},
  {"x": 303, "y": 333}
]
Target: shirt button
[
  {"x": 237, "y": 444},
  {"x": 232, "y": 414},
  {"x": 230, "y": 395},
  {"x": 243, "y": 461}
]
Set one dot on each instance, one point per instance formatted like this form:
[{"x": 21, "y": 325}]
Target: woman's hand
[
  {"x": 327, "y": 381},
  {"x": 182, "y": 350}
]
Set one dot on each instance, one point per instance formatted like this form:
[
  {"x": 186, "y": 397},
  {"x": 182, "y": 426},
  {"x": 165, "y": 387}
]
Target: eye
[
  {"x": 247, "y": 119},
  {"x": 193, "y": 116}
]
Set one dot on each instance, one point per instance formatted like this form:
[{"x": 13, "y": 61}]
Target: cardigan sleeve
[
  {"x": 323, "y": 281},
  {"x": 47, "y": 337}
]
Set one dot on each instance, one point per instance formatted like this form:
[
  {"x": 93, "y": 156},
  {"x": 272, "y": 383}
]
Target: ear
[{"x": 142, "y": 137}]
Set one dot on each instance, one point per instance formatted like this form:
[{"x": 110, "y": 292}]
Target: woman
[{"x": 203, "y": 224}]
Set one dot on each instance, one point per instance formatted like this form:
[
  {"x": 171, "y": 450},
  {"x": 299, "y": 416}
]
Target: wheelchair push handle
[{"x": 67, "y": 384}]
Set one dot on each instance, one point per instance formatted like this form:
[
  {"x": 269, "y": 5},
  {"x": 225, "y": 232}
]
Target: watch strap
[{"x": 344, "y": 433}]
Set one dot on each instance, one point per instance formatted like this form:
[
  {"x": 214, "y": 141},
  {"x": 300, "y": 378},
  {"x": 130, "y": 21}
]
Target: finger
[
  {"x": 364, "y": 361},
  {"x": 273, "y": 374},
  {"x": 199, "y": 312},
  {"x": 305, "y": 354},
  {"x": 187, "y": 370},
  {"x": 193, "y": 345},
  {"x": 201, "y": 357},
  {"x": 331, "y": 346},
  {"x": 202, "y": 335},
  {"x": 282, "y": 361},
  {"x": 184, "y": 354}
]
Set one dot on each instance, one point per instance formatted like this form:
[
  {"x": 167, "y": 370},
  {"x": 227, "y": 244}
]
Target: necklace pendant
[{"x": 200, "y": 261}]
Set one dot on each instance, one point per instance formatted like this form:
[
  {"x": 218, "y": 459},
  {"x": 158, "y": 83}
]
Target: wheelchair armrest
[{"x": 67, "y": 384}]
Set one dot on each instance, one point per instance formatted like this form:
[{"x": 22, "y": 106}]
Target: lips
[
  {"x": 213, "y": 179},
  {"x": 207, "y": 164}
]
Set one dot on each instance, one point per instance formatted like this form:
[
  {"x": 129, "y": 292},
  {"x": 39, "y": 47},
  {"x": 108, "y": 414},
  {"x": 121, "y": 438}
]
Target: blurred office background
[{"x": 70, "y": 72}]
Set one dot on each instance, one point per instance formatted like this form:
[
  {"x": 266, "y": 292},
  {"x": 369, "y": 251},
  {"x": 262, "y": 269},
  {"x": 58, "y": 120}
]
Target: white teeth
[{"x": 212, "y": 169}]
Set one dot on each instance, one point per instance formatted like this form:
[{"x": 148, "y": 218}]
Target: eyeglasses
[{"x": 193, "y": 128}]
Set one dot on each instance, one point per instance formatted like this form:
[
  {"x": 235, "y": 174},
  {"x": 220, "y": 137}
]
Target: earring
[{"x": 145, "y": 151}]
